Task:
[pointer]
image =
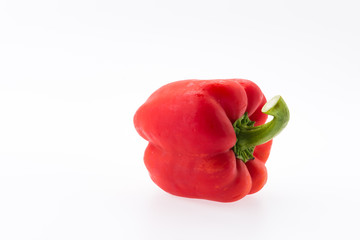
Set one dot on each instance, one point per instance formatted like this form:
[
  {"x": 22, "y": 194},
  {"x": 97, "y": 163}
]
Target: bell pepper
[{"x": 209, "y": 139}]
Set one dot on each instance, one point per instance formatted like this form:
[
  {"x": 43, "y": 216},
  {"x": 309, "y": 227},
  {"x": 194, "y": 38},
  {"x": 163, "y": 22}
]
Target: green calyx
[
  {"x": 241, "y": 152},
  {"x": 248, "y": 136}
]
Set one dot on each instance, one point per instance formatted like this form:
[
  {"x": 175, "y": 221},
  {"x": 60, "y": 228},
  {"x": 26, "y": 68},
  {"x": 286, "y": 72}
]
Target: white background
[{"x": 73, "y": 73}]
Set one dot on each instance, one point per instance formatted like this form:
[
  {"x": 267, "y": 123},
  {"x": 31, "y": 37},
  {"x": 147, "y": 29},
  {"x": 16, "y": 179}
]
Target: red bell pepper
[{"x": 208, "y": 138}]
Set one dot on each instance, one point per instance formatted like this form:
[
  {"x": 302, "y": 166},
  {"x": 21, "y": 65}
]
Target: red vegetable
[{"x": 208, "y": 138}]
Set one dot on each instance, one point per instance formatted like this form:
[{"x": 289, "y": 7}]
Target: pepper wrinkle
[{"x": 209, "y": 139}]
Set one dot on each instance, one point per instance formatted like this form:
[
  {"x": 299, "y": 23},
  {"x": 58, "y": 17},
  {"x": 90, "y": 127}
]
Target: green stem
[{"x": 248, "y": 136}]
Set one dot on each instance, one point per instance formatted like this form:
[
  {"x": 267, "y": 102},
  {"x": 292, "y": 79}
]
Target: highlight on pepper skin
[{"x": 209, "y": 139}]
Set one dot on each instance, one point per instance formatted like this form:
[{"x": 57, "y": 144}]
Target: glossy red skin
[{"x": 189, "y": 128}]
